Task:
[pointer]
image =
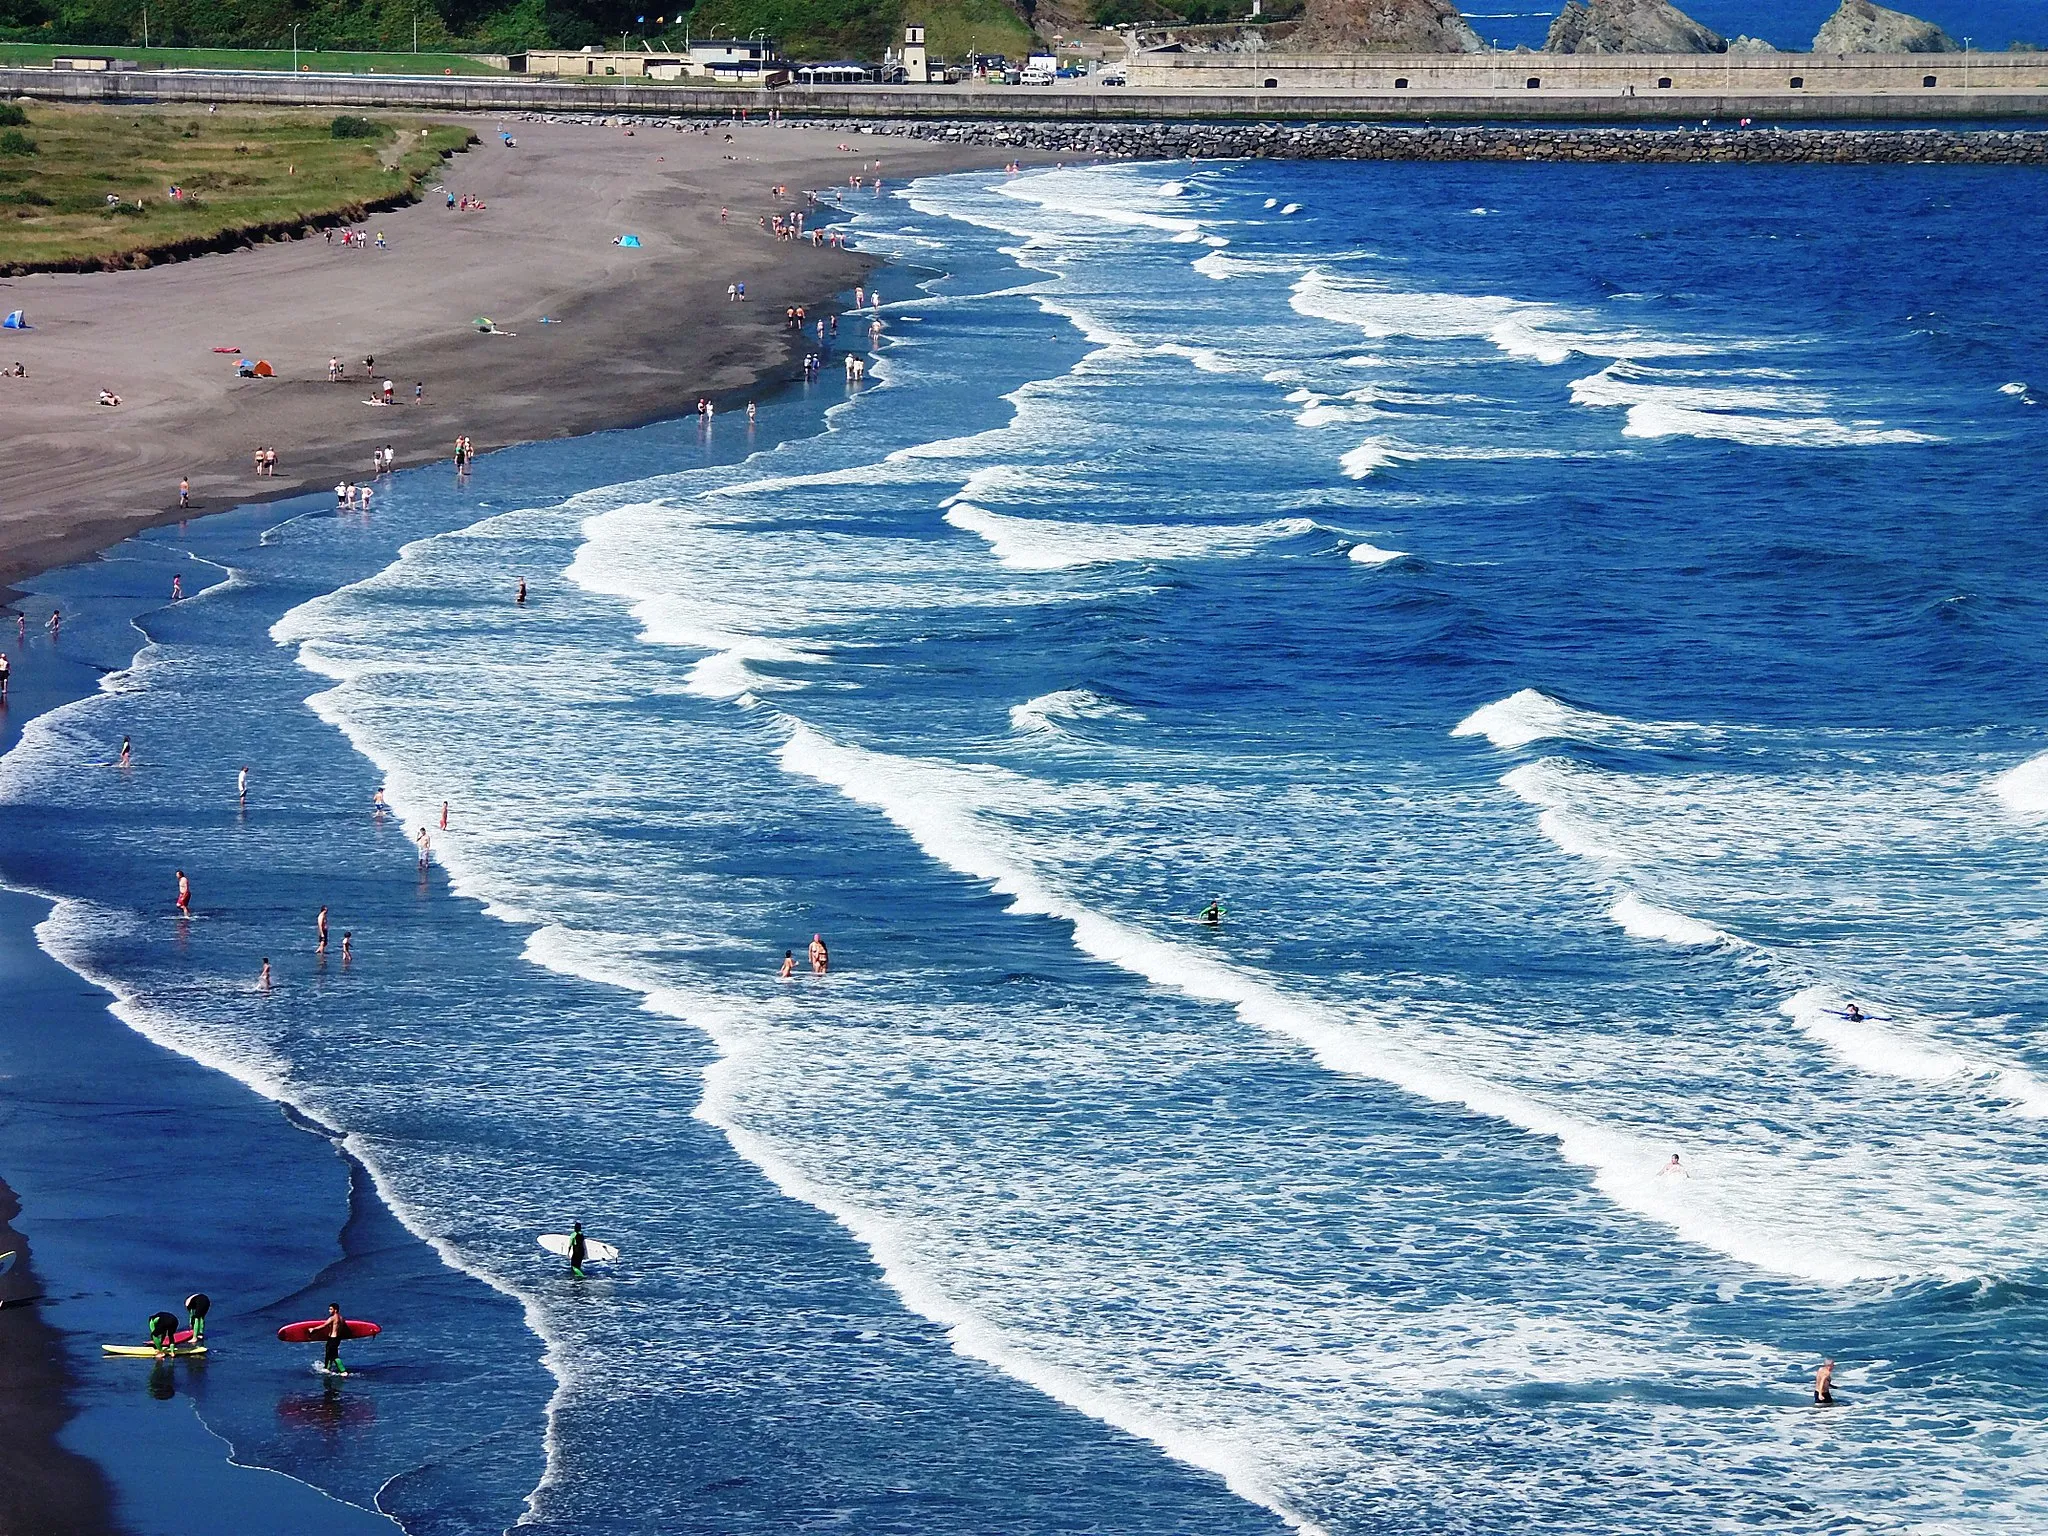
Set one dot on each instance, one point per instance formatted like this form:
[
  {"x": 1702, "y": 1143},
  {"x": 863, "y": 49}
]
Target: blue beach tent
[
  {"x": 632, "y": 241},
  {"x": 16, "y": 321}
]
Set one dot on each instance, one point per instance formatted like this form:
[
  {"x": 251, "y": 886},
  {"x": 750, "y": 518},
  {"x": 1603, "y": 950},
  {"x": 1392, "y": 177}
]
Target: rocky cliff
[
  {"x": 1629, "y": 26},
  {"x": 1383, "y": 26},
  {"x": 1860, "y": 27}
]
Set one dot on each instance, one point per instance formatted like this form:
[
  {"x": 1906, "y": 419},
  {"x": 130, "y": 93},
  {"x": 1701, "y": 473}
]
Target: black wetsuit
[{"x": 578, "y": 1252}]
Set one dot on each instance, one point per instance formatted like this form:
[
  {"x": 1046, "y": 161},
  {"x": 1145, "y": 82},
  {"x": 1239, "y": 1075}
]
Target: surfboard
[
  {"x": 149, "y": 1351},
  {"x": 305, "y": 1333},
  {"x": 594, "y": 1252},
  {"x": 7, "y": 1260}
]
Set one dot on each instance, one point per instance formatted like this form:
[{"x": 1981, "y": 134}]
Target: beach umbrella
[{"x": 16, "y": 321}]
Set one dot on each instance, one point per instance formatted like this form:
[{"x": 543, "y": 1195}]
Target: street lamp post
[
  {"x": 1966, "y": 63},
  {"x": 295, "y": 48}
]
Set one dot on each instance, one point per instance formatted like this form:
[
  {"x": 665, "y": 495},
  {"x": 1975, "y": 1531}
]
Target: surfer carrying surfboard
[
  {"x": 579, "y": 1250},
  {"x": 331, "y": 1332}
]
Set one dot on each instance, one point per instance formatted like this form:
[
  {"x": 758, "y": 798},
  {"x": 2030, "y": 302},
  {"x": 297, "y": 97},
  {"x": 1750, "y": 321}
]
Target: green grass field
[
  {"x": 35, "y": 55},
  {"x": 238, "y": 170}
]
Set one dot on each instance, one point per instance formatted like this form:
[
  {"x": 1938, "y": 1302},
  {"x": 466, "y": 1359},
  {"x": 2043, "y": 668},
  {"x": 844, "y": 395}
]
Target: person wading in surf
[
  {"x": 333, "y": 1331},
  {"x": 579, "y": 1250}
]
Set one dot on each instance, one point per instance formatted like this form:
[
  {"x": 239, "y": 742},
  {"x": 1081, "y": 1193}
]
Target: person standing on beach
[
  {"x": 177, "y": 589},
  {"x": 184, "y": 492},
  {"x": 419, "y": 392},
  {"x": 6, "y": 671},
  {"x": 821, "y": 958},
  {"x": 320, "y": 926},
  {"x": 184, "y": 895}
]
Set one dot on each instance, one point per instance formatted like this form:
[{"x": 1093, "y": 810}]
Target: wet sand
[{"x": 641, "y": 333}]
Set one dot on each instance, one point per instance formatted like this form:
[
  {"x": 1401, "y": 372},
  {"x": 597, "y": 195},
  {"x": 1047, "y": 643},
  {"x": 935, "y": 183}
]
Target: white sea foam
[
  {"x": 935, "y": 804},
  {"x": 2017, "y": 387},
  {"x": 1725, "y": 408},
  {"x": 2024, "y": 790},
  {"x": 1370, "y": 554},
  {"x": 1528, "y": 715},
  {"x": 1645, "y": 920},
  {"x": 1042, "y": 544},
  {"x": 1206, "y": 359},
  {"x": 1171, "y": 189},
  {"x": 1041, "y": 716}
]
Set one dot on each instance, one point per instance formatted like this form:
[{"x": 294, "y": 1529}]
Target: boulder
[
  {"x": 1747, "y": 44},
  {"x": 1629, "y": 26},
  {"x": 1860, "y": 27},
  {"x": 1383, "y": 26}
]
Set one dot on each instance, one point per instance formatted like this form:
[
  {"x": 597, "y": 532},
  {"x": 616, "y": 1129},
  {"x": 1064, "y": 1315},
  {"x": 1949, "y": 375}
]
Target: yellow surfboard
[{"x": 149, "y": 1351}]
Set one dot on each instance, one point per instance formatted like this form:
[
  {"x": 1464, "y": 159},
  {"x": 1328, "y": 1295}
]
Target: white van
[{"x": 1036, "y": 76}]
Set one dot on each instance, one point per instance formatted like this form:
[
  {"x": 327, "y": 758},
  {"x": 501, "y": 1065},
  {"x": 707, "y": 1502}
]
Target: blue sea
[
  {"x": 1584, "y": 626},
  {"x": 1986, "y": 26}
]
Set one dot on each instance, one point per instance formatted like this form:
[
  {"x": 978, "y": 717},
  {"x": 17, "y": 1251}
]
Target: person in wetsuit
[
  {"x": 1212, "y": 914},
  {"x": 579, "y": 1250},
  {"x": 197, "y": 1305},
  {"x": 163, "y": 1327}
]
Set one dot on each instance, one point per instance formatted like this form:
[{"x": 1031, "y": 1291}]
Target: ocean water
[
  {"x": 1987, "y": 25},
  {"x": 1580, "y": 622}
]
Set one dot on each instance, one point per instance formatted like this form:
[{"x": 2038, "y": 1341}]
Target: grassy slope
[
  {"x": 37, "y": 54},
  {"x": 861, "y": 29},
  {"x": 242, "y": 169}
]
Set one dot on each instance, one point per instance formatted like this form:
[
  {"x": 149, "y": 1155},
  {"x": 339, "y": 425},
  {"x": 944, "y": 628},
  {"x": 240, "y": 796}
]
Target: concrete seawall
[{"x": 1019, "y": 104}]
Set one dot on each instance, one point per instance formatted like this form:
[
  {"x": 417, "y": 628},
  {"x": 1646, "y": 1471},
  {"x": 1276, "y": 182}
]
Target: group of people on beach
[
  {"x": 266, "y": 462},
  {"x": 359, "y": 239}
]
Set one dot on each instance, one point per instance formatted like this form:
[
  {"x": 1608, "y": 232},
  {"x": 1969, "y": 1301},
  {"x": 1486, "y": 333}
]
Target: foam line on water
[
  {"x": 930, "y": 803},
  {"x": 886, "y": 1240},
  {"x": 2024, "y": 790},
  {"x": 1529, "y": 715},
  {"x": 1043, "y": 544}
]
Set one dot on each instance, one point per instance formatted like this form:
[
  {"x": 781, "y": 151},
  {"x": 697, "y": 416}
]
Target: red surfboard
[{"x": 309, "y": 1333}]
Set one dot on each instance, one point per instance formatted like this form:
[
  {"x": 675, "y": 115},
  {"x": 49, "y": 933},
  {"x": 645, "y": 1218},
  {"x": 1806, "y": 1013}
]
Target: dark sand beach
[{"x": 642, "y": 333}]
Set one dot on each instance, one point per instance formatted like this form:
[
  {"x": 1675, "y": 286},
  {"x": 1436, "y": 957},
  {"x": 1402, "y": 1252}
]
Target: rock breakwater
[{"x": 1378, "y": 141}]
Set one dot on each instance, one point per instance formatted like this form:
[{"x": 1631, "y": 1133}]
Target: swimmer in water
[
  {"x": 1824, "y": 1385},
  {"x": 127, "y": 753},
  {"x": 348, "y": 947},
  {"x": 242, "y": 785},
  {"x": 821, "y": 959},
  {"x": 1674, "y": 1166},
  {"x": 1212, "y": 914},
  {"x": 788, "y": 964},
  {"x": 1853, "y": 1014}
]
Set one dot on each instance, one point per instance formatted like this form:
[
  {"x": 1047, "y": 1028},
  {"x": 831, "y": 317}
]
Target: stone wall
[{"x": 1689, "y": 102}]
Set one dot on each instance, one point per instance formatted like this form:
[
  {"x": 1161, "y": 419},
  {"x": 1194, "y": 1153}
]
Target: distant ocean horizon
[
  {"x": 1580, "y": 625},
  {"x": 1790, "y": 25}
]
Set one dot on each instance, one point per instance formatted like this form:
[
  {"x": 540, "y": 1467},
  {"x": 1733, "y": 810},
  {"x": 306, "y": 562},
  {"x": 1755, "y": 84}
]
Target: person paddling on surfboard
[
  {"x": 332, "y": 1332},
  {"x": 1212, "y": 914},
  {"x": 579, "y": 1250}
]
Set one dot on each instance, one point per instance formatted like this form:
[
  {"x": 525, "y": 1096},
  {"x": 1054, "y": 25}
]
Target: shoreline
[
  {"x": 54, "y": 1487},
  {"x": 635, "y": 335}
]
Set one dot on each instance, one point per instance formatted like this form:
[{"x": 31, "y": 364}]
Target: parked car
[
  {"x": 1035, "y": 77},
  {"x": 1114, "y": 75}
]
